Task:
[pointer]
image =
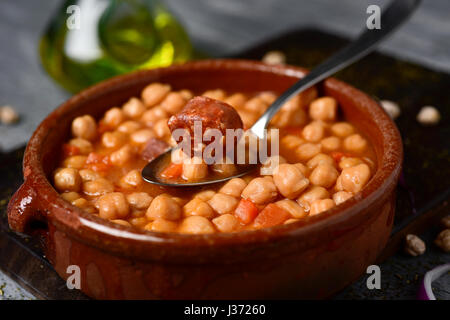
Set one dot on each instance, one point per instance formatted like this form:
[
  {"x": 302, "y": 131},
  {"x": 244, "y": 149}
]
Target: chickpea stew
[{"x": 323, "y": 161}]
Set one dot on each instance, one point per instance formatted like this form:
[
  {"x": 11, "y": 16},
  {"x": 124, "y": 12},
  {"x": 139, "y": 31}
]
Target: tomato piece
[
  {"x": 103, "y": 127},
  {"x": 98, "y": 162},
  {"x": 70, "y": 150},
  {"x": 296, "y": 131},
  {"x": 172, "y": 171},
  {"x": 270, "y": 216},
  {"x": 246, "y": 211},
  {"x": 337, "y": 155}
]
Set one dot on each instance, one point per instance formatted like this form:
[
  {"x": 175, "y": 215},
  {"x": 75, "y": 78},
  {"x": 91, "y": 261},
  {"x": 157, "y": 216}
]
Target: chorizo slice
[
  {"x": 153, "y": 148},
  {"x": 213, "y": 114}
]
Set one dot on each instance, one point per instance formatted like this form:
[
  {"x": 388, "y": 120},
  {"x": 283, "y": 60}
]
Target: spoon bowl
[{"x": 150, "y": 173}]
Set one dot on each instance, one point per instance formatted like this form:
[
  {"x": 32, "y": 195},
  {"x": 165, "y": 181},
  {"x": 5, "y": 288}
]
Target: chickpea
[
  {"x": 67, "y": 179},
  {"x": 194, "y": 169},
  {"x": 186, "y": 94},
  {"x": 89, "y": 175},
  {"x": 342, "y": 129},
  {"x": 83, "y": 145},
  {"x": 313, "y": 132},
  {"x": 303, "y": 169},
  {"x": 113, "y": 206},
  {"x": 150, "y": 117},
  {"x": 301, "y": 100},
  {"x": 113, "y": 117},
  {"x": 84, "y": 204},
  {"x": 97, "y": 187},
  {"x": 292, "y": 207},
  {"x": 331, "y": 143},
  {"x": 307, "y": 151},
  {"x": 323, "y": 108},
  {"x": 271, "y": 164},
  {"x": 279, "y": 120},
  {"x": 217, "y": 94},
  {"x": 236, "y": 100},
  {"x": 348, "y": 162},
  {"x": 121, "y": 156},
  {"x": 338, "y": 186},
  {"x": 355, "y": 178},
  {"x": 341, "y": 196},
  {"x": 292, "y": 104},
  {"x": 260, "y": 191},
  {"x": 136, "y": 213},
  {"x": 121, "y": 222},
  {"x": 321, "y": 158},
  {"x": 164, "y": 207},
  {"x": 248, "y": 118},
  {"x": 76, "y": 162},
  {"x": 355, "y": 143},
  {"x": 129, "y": 127},
  {"x": 70, "y": 196},
  {"x": 84, "y": 127},
  {"x": 154, "y": 93},
  {"x": 224, "y": 169},
  {"x": 141, "y": 137},
  {"x": 234, "y": 187},
  {"x": 162, "y": 225},
  {"x": 290, "y": 118},
  {"x": 322, "y": 205},
  {"x": 223, "y": 203},
  {"x": 114, "y": 140},
  {"x": 139, "y": 222},
  {"x": 173, "y": 103},
  {"x": 205, "y": 195},
  {"x": 196, "y": 225},
  {"x": 313, "y": 193},
  {"x": 139, "y": 200},
  {"x": 290, "y": 142},
  {"x": 180, "y": 200},
  {"x": 289, "y": 180},
  {"x": 324, "y": 175},
  {"x": 256, "y": 105},
  {"x": 226, "y": 223},
  {"x": 133, "y": 108},
  {"x": 268, "y": 97},
  {"x": 162, "y": 129},
  {"x": 297, "y": 118},
  {"x": 293, "y": 118},
  {"x": 197, "y": 207},
  {"x": 132, "y": 179}
]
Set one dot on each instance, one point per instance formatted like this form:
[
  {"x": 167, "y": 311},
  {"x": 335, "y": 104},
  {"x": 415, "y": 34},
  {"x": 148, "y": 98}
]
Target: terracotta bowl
[{"x": 310, "y": 259}]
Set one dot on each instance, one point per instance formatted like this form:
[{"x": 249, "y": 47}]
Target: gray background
[{"x": 218, "y": 27}]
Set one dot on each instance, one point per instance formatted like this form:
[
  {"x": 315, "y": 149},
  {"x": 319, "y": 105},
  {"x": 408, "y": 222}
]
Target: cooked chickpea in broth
[{"x": 324, "y": 161}]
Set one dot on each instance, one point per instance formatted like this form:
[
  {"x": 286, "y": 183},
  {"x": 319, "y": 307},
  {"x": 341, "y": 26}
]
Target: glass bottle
[{"x": 92, "y": 40}]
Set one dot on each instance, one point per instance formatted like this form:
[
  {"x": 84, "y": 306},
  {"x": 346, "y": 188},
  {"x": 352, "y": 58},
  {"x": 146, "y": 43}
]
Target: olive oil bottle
[{"x": 92, "y": 40}]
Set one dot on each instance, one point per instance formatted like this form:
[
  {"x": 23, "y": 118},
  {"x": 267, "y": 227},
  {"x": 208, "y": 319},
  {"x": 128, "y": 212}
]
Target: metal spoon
[{"x": 397, "y": 13}]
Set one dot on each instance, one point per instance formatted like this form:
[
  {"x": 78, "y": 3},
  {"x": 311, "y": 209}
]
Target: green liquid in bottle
[{"x": 111, "y": 37}]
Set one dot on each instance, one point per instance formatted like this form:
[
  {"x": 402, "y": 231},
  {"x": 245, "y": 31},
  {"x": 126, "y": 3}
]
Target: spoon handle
[{"x": 391, "y": 18}]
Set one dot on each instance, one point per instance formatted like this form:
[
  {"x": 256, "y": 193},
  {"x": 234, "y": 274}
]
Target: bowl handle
[{"x": 24, "y": 213}]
